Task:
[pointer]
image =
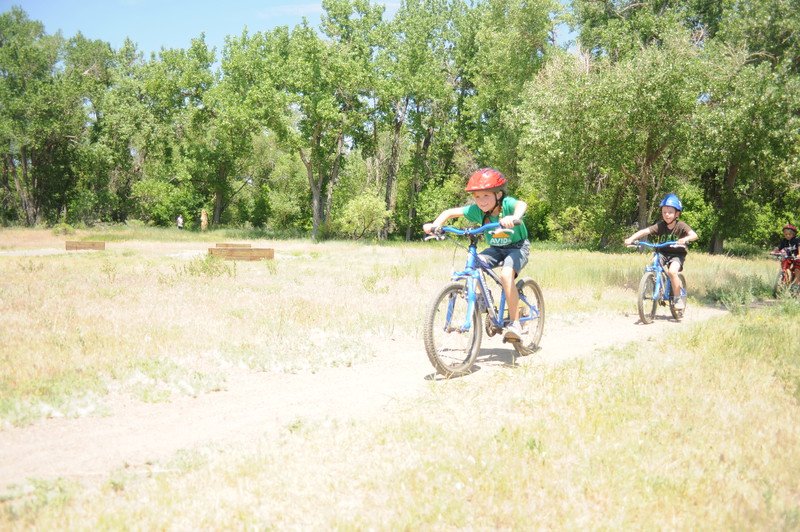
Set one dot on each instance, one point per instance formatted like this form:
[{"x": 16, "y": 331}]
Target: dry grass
[
  {"x": 632, "y": 438},
  {"x": 155, "y": 319},
  {"x": 700, "y": 431}
]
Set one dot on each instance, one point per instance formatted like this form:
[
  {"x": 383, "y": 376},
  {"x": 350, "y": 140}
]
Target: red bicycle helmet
[
  {"x": 790, "y": 227},
  {"x": 485, "y": 179}
]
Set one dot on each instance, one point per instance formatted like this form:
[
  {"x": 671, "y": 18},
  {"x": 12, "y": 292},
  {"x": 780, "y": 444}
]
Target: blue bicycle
[
  {"x": 453, "y": 327},
  {"x": 655, "y": 288}
]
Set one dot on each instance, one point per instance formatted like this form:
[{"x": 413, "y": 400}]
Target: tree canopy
[{"x": 369, "y": 125}]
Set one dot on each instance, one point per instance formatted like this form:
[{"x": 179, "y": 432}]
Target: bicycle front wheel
[
  {"x": 452, "y": 337},
  {"x": 781, "y": 284},
  {"x": 648, "y": 299},
  {"x": 531, "y": 316},
  {"x": 678, "y": 313}
]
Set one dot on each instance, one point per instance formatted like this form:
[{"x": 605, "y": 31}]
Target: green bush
[
  {"x": 572, "y": 226},
  {"x": 436, "y": 197},
  {"x": 261, "y": 210},
  {"x": 63, "y": 229},
  {"x": 363, "y": 215}
]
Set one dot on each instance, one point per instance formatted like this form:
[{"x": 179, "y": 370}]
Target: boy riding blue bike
[
  {"x": 670, "y": 228},
  {"x": 508, "y": 247}
]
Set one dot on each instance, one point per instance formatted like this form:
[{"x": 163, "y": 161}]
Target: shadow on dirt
[{"x": 495, "y": 357}]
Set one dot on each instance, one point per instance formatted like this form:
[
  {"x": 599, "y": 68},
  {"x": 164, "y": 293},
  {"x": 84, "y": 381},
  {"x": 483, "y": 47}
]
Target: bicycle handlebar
[
  {"x": 470, "y": 230},
  {"x": 782, "y": 256},
  {"x": 638, "y": 243},
  {"x": 438, "y": 233}
]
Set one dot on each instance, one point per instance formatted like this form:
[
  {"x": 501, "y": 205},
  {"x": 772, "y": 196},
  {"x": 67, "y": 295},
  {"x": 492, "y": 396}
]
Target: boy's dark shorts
[
  {"x": 667, "y": 260},
  {"x": 513, "y": 255}
]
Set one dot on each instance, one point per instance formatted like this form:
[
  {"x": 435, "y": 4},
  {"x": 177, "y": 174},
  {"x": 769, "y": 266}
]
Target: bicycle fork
[
  {"x": 661, "y": 284},
  {"x": 469, "y": 289}
]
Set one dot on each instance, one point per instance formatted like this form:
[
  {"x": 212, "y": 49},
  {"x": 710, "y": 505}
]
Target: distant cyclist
[
  {"x": 509, "y": 249},
  {"x": 670, "y": 228},
  {"x": 789, "y": 246}
]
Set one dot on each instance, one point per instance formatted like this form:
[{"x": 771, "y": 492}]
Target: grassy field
[{"x": 702, "y": 433}]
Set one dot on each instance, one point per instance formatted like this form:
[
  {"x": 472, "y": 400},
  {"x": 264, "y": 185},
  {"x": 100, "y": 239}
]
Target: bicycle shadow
[
  {"x": 657, "y": 319},
  {"x": 505, "y": 357},
  {"x": 497, "y": 356}
]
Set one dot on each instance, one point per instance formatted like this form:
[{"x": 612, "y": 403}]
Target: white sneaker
[
  {"x": 513, "y": 332},
  {"x": 679, "y": 303}
]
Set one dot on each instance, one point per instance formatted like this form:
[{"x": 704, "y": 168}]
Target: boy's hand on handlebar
[
  {"x": 509, "y": 222},
  {"x": 434, "y": 231}
]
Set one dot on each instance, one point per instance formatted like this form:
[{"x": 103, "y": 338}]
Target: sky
[{"x": 153, "y": 24}]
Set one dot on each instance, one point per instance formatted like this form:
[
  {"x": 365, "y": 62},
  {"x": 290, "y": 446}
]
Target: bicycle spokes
[{"x": 527, "y": 310}]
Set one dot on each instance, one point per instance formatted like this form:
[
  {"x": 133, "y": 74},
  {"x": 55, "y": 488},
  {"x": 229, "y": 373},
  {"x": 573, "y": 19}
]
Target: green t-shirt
[{"x": 512, "y": 236}]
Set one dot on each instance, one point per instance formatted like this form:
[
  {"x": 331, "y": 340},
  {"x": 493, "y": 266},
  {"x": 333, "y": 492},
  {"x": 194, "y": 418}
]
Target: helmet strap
[{"x": 497, "y": 203}]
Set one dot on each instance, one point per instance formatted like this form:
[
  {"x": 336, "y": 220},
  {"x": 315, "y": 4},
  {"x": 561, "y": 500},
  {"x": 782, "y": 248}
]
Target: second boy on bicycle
[
  {"x": 509, "y": 249},
  {"x": 670, "y": 228}
]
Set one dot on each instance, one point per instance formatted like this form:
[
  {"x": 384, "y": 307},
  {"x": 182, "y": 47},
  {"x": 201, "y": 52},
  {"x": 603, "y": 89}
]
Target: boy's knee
[{"x": 507, "y": 273}]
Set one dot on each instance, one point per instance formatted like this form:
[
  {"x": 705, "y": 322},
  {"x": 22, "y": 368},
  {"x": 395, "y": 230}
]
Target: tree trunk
[
  {"x": 315, "y": 195},
  {"x": 421, "y": 175},
  {"x": 24, "y": 191},
  {"x": 218, "y": 199},
  {"x": 717, "y": 245},
  {"x": 412, "y": 209},
  {"x": 394, "y": 163},
  {"x": 641, "y": 204},
  {"x": 334, "y": 178}
]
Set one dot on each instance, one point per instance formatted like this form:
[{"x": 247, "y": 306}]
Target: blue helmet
[{"x": 671, "y": 200}]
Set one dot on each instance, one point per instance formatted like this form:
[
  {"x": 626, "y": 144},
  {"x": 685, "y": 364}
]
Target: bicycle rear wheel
[
  {"x": 531, "y": 316},
  {"x": 452, "y": 338},
  {"x": 648, "y": 300},
  {"x": 678, "y": 313}
]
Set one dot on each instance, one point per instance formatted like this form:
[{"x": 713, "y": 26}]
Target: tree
[
  {"x": 89, "y": 70},
  {"x": 596, "y": 127},
  {"x": 743, "y": 132},
  {"x": 413, "y": 92},
  {"x": 743, "y": 119},
  {"x": 506, "y": 43},
  {"x": 40, "y": 114}
]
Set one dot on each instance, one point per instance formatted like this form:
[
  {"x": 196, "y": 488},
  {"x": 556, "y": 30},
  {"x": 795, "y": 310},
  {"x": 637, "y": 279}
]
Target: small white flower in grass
[
  {"x": 48, "y": 411},
  {"x": 186, "y": 388}
]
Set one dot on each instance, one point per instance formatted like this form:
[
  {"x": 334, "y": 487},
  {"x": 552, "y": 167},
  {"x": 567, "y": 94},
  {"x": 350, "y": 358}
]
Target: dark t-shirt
[
  {"x": 665, "y": 234},
  {"x": 790, "y": 246}
]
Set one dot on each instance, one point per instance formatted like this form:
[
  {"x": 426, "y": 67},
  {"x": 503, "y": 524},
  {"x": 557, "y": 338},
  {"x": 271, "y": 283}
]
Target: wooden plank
[
  {"x": 242, "y": 253},
  {"x": 231, "y": 245},
  {"x": 73, "y": 245}
]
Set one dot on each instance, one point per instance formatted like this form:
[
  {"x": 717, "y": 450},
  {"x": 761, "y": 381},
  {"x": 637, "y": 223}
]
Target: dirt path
[{"x": 139, "y": 434}]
